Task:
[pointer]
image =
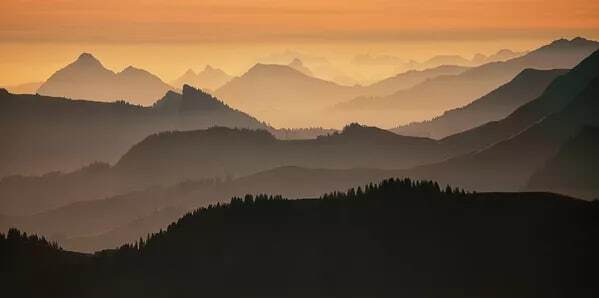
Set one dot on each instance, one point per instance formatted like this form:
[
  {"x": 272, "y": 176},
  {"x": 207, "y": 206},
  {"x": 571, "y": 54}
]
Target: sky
[{"x": 167, "y": 37}]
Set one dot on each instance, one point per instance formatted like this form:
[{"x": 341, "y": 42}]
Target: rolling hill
[{"x": 393, "y": 239}]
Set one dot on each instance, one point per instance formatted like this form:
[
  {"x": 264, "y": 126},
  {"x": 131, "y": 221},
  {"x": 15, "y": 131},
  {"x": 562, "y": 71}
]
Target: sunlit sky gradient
[{"x": 167, "y": 37}]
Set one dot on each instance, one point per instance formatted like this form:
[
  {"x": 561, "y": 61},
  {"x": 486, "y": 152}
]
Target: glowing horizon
[{"x": 38, "y": 37}]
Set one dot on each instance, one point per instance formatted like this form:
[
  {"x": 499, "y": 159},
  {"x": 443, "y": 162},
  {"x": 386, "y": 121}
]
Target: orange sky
[{"x": 37, "y": 35}]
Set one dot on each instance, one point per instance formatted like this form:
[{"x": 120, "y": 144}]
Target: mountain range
[
  {"x": 208, "y": 79},
  {"x": 78, "y": 132},
  {"x": 395, "y": 238},
  {"x": 496, "y": 105},
  {"x": 87, "y": 78},
  {"x": 511, "y": 149},
  {"x": 442, "y": 93},
  {"x": 477, "y": 59}
]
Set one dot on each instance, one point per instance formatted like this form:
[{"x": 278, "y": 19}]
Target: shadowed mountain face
[
  {"x": 508, "y": 164},
  {"x": 560, "y": 93},
  {"x": 397, "y": 239},
  {"x": 40, "y": 134},
  {"x": 209, "y": 79},
  {"x": 448, "y": 92},
  {"x": 87, "y": 78},
  {"x": 499, "y": 103},
  {"x": 574, "y": 169}
]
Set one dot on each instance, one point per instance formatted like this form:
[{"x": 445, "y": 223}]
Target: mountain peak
[
  {"x": 196, "y": 99},
  {"x": 189, "y": 72},
  {"x": 189, "y": 90},
  {"x": 577, "y": 41},
  {"x": 87, "y": 59}
]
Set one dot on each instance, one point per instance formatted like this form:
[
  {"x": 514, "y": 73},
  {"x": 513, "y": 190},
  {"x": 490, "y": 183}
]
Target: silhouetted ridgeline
[
  {"x": 539, "y": 129},
  {"x": 89, "y": 220},
  {"x": 41, "y": 134},
  {"x": 175, "y": 156},
  {"x": 399, "y": 238},
  {"x": 450, "y": 91},
  {"x": 499, "y": 103}
]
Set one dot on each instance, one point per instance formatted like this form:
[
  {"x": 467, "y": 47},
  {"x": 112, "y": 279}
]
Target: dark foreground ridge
[{"x": 399, "y": 238}]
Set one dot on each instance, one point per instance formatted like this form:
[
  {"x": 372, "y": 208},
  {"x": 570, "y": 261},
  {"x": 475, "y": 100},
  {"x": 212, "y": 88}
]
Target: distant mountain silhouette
[
  {"x": 521, "y": 143},
  {"x": 87, "y": 78},
  {"x": 298, "y": 65},
  {"x": 499, "y": 103},
  {"x": 210, "y": 78},
  {"x": 282, "y": 95},
  {"x": 41, "y": 134},
  {"x": 501, "y": 55},
  {"x": 26, "y": 88},
  {"x": 397, "y": 238},
  {"x": 574, "y": 169},
  {"x": 287, "y": 97},
  {"x": 448, "y": 92},
  {"x": 478, "y": 59},
  {"x": 411, "y": 78}
]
